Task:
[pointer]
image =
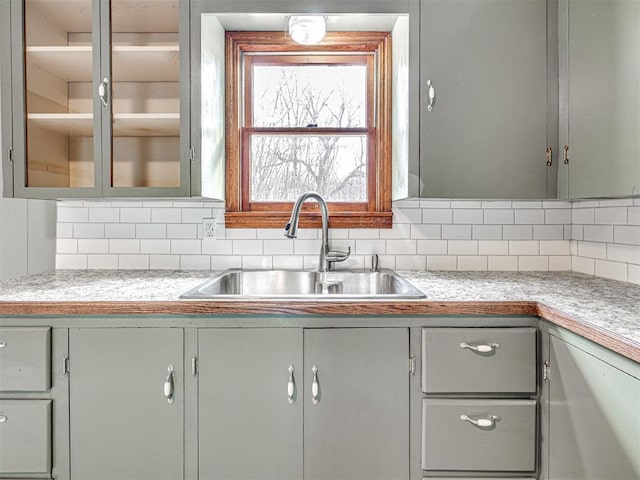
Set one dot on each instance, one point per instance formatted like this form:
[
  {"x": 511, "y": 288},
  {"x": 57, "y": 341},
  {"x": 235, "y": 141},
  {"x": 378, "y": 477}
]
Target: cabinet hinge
[
  {"x": 566, "y": 154},
  {"x": 412, "y": 364},
  {"x": 192, "y": 154},
  {"x": 545, "y": 371},
  {"x": 65, "y": 366},
  {"x": 549, "y": 156},
  {"x": 194, "y": 365},
  {"x": 10, "y": 155}
]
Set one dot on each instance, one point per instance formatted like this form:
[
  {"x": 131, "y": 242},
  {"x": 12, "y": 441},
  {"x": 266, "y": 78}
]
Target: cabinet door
[
  {"x": 56, "y": 117},
  {"x": 594, "y": 417},
  {"x": 122, "y": 426},
  {"x": 487, "y": 133},
  {"x": 359, "y": 427},
  {"x": 248, "y": 428},
  {"x": 146, "y": 72}
]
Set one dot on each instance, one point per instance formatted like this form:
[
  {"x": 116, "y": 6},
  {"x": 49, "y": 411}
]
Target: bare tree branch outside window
[{"x": 283, "y": 166}]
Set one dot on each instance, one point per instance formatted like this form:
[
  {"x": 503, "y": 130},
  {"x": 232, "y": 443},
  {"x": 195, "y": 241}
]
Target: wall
[
  {"x": 27, "y": 233},
  {"x": 432, "y": 234}
]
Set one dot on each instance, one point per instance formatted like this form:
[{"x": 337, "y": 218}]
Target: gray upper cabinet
[
  {"x": 126, "y": 409},
  {"x": 486, "y": 134},
  {"x": 594, "y": 414},
  {"x": 600, "y": 97},
  {"x": 100, "y": 98}
]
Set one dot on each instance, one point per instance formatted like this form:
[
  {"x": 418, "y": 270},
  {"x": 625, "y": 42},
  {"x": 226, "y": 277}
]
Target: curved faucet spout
[{"x": 291, "y": 229}]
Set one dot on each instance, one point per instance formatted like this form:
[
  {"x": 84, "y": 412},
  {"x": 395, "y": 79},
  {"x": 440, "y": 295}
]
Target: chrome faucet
[{"x": 327, "y": 257}]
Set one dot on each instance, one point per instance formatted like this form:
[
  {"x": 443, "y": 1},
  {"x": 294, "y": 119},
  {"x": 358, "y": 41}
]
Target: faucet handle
[{"x": 334, "y": 256}]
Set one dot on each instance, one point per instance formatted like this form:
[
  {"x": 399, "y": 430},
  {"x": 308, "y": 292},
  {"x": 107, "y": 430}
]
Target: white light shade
[{"x": 307, "y": 30}]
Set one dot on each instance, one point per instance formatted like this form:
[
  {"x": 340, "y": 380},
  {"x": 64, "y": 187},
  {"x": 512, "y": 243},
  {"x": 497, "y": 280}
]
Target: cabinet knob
[
  {"x": 3, "y": 344},
  {"x": 3, "y": 418},
  {"x": 431, "y": 91}
]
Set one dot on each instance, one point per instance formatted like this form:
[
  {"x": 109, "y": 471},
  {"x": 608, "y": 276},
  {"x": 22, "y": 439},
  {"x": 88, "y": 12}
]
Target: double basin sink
[{"x": 382, "y": 284}]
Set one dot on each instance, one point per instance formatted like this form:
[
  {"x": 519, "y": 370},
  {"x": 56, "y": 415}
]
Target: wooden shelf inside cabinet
[
  {"x": 130, "y": 63},
  {"x": 124, "y": 124}
]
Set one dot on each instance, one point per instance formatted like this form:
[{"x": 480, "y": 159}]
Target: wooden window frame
[{"x": 376, "y": 211}]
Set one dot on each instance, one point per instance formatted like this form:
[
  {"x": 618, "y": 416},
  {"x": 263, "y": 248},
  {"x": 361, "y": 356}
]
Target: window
[{"x": 305, "y": 118}]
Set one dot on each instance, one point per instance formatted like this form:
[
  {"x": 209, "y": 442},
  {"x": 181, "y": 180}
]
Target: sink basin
[{"x": 303, "y": 285}]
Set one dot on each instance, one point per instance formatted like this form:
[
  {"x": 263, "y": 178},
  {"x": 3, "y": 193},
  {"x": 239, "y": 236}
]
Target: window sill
[{"x": 308, "y": 219}]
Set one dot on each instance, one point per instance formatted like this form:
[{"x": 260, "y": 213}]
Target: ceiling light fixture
[{"x": 307, "y": 29}]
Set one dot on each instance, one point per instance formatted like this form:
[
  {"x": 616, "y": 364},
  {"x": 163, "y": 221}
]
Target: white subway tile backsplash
[
  {"x": 517, "y": 232},
  {"x": 195, "y": 262},
  {"x": 493, "y": 247},
  {"x": 186, "y": 247},
  {"x": 611, "y": 216},
  {"x": 432, "y": 247},
  {"x": 120, "y": 230},
  {"x": 93, "y": 245},
  {"x": 486, "y": 232},
  {"x": 456, "y": 232},
  {"x": 135, "y": 215},
  {"x": 613, "y": 270},
  {"x": 437, "y": 215},
  {"x": 468, "y": 216},
  {"x": 463, "y": 247},
  {"x": 150, "y": 230},
  {"x": 472, "y": 264},
  {"x": 598, "y": 233},
  {"x": 529, "y": 217},
  {"x": 164, "y": 262},
  {"x": 499, "y": 216},
  {"x": 600, "y": 237},
  {"x": 102, "y": 262},
  {"x": 629, "y": 235},
  {"x": 104, "y": 215},
  {"x": 133, "y": 262}
]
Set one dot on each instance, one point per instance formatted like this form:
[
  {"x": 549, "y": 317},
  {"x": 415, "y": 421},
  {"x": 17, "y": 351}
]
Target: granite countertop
[{"x": 609, "y": 307}]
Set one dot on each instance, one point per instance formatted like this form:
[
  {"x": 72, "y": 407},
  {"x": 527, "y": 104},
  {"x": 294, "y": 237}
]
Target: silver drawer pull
[
  {"x": 3, "y": 418},
  {"x": 168, "y": 385},
  {"x": 315, "y": 386},
  {"x": 481, "y": 348},
  {"x": 483, "y": 422},
  {"x": 431, "y": 91},
  {"x": 291, "y": 386},
  {"x": 3, "y": 344}
]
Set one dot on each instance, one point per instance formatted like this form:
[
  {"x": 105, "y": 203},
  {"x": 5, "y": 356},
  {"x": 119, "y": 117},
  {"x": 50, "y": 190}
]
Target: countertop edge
[{"x": 582, "y": 327}]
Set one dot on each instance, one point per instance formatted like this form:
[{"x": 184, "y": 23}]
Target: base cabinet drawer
[
  {"x": 25, "y": 432},
  {"x": 503, "y": 437},
  {"x": 479, "y": 360},
  {"x": 25, "y": 359}
]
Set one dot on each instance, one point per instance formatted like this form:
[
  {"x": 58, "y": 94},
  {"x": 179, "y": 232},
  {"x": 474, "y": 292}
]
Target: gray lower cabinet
[
  {"x": 357, "y": 426},
  {"x": 594, "y": 409},
  {"x": 122, "y": 425},
  {"x": 248, "y": 427},
  {"x": 349, "y": 420}
]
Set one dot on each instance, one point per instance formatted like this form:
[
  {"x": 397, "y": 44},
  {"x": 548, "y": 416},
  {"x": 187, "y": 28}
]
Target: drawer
[
  {"x": 25, "y": 359},
  {"x": 451, "y": 365},
  {"x": 450, "y": 442},
  {"x": 25, "y": 429}
]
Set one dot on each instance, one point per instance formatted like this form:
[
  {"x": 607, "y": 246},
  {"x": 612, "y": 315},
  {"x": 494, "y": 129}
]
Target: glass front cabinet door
[{"x": 98, "y": 98}]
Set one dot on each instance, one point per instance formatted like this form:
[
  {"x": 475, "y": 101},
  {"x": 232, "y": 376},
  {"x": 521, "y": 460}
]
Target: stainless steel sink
[{"x": 302, "y": 285}]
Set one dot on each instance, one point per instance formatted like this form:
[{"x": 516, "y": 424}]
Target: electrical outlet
[{"x": 210, "y": 227}]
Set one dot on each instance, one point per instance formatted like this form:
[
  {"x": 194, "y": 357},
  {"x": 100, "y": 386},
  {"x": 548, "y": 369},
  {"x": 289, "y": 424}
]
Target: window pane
[
  {"x": 298, "y": 96},
  {"x": 285, "y": 166}
]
